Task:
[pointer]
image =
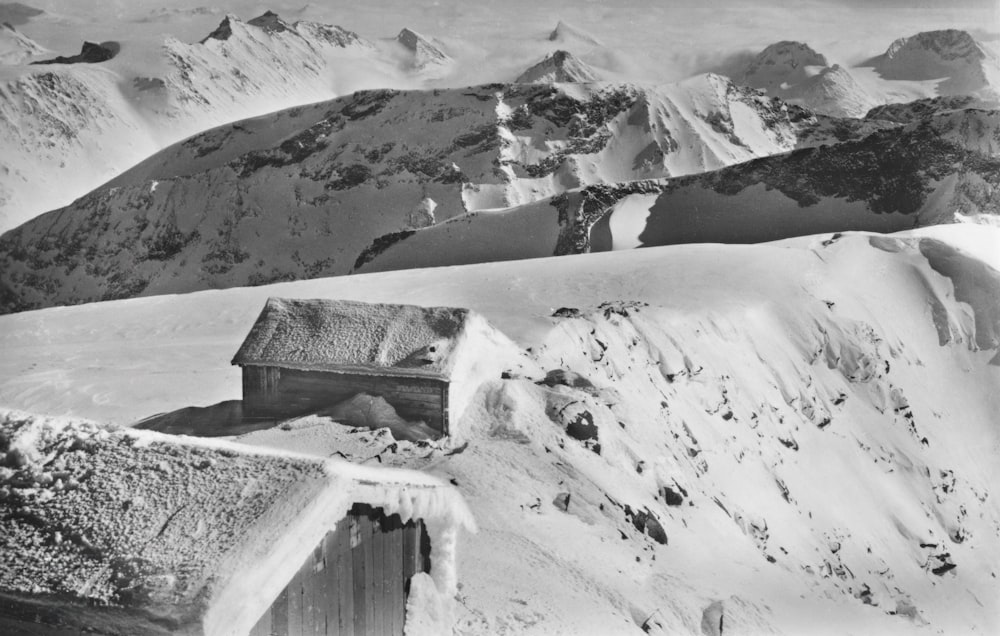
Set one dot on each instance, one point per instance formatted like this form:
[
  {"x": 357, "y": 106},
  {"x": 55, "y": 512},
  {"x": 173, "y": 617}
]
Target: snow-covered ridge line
[
  {"x": 211, "y": 208},
  {"x": 68, "y": 131}
]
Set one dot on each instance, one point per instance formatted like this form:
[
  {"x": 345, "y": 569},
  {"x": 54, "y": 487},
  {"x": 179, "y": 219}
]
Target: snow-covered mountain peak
[
  {"x": 560, "y": 66},
  {"x": 426, "y": 51},
  {"x": 565, "y": 33},
  {"x": 781, "y": 64},
  {"x": 954, "y": 59},
  {"x": 948, "y": 44}
]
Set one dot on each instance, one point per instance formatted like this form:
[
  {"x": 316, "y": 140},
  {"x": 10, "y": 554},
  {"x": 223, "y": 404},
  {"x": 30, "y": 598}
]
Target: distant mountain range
[
  {"x": 68, "y": 127},
  {"x": 929, "y": 64},
  {"x": 558, "y": 162},
  {"x": 933, "y": 169},
  {"x": 305, "y": 192}
]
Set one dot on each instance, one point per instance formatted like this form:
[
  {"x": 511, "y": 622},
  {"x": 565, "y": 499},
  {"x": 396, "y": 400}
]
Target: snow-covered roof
[
  {"x": 341, "y": 335},
  {"x": 175, "y": 534}
]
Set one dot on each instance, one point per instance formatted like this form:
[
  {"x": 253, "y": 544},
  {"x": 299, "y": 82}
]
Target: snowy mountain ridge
[
  {"x": 928, "y": 64},
  {"x": 269, "y": 198},
  {"x": 940, "y": 168},
  {"x": 71, "y": 127}
]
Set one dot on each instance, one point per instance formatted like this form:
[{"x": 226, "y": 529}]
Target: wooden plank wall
[
  {"x": 269, "y": 391},
  {"x": 355, "y": 583},
  {"x": 260, "y": 388}
]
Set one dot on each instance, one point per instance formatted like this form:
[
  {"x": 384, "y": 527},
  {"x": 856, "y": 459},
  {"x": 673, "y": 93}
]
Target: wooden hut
[
  {"x": 303, "y": 355},
  {"x": 124, "y": 532}
]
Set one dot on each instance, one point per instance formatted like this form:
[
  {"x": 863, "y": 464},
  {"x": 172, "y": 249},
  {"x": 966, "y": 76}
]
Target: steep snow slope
[
  {"x": 68, "y": 128},
  {"x": 768, "y": 437},
  {"x": 938, "y": 168},
  {"x": 304, "y": 192},
  {"x": 17, "y": 48}
]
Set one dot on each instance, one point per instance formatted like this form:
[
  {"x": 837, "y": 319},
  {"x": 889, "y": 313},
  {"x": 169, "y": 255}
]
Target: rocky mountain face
[
  {"x": 936, "y": 169},
  {"x": 303, "y": 193},
  {"x": 67, "y": 127},
  {"x": 90, "y": 53},
  {"x": 559, "y": 66},
  {"x": 923, "y": 173},
  {"x": 909, "y": 112}
]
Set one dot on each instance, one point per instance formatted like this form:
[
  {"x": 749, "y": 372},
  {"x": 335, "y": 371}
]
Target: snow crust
[
  {"x": 199, "y": 535},
  {"x": 326, "y": 334}
]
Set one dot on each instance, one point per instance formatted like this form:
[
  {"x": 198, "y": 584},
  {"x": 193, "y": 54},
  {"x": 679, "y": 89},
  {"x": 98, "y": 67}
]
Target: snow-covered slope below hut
[
  {"x": 769, "y": 437},
  {"x": 305, "y": 192}
]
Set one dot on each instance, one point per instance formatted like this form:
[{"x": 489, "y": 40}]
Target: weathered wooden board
[
  {"x": 354, "y": 583},
  {"x": 270, "y": 392}
]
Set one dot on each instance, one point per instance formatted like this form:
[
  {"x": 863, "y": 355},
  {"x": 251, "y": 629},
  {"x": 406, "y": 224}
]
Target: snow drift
[{"x": 759, "y": 435}]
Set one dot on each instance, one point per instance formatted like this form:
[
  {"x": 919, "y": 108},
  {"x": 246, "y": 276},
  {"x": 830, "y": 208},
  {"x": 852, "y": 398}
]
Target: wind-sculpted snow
[
  {"x": 757, "y": 435},
  {"x": 308, "y": 191},
  {"x": 172, "y": 535}
]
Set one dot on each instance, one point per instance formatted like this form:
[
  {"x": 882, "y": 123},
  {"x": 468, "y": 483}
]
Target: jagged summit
[
  {"x": 560, "y": 66},
  {"x": 426, "y": 52},
  {"x": 781, "y": 63},
  {"x": 270, "y": 22},
  {"x": 568, "y": 34},
  {"x": 224, "y": 31},
  {"x": 273, "y": 25}
]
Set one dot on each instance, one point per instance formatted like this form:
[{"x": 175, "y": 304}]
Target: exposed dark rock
[
  {"x": 582, "y": 427},
  {"x": 562, "y": 501},
  {"x": 566, "y": 312},
  {"x": 646, "y": 522},
  {"x": 670, "y": 496},
  {"x": 379, "y": 245},
  {"x": 222, "y": 32},
  {"x": 270, "y": 22},
  {"x": 567, "y": 378},
  {"x": 91, "y": 53}
]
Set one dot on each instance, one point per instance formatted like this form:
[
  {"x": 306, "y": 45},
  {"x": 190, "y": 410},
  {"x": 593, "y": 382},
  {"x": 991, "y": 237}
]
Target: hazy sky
[{"x": 647, "y": 39}]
